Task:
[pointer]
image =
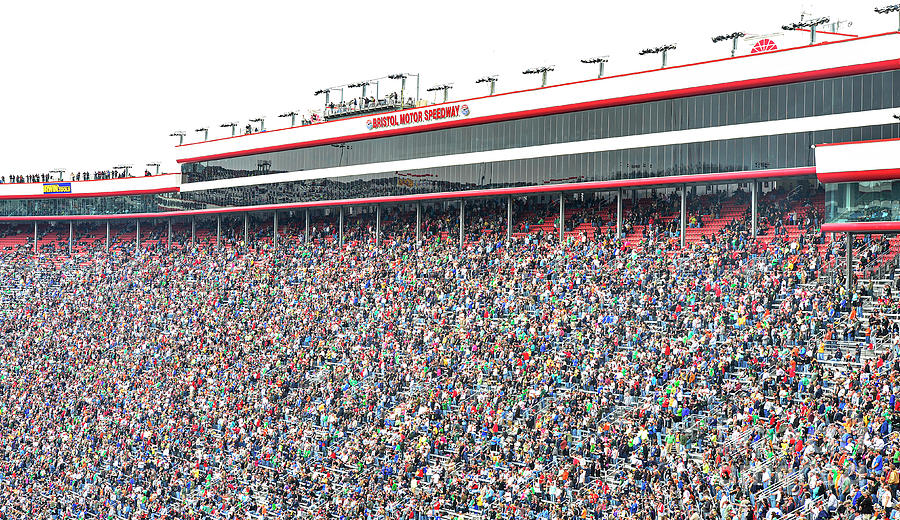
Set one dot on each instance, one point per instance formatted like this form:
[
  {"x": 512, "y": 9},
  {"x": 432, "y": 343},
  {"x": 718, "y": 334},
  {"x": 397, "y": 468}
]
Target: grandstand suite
[{"x": 666, "y": 295}]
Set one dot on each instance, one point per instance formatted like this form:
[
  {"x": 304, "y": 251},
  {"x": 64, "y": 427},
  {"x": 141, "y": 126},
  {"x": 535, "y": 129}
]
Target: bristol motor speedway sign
[{"x": 422, "y": 115}]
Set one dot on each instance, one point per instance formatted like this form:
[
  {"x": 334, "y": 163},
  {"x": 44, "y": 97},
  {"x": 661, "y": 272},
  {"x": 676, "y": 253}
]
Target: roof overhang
[{"x": 858, "y": 161}]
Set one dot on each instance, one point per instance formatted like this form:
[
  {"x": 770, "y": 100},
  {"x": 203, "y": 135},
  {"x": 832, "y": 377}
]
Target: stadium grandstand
[{"x": 669, "y": 294}]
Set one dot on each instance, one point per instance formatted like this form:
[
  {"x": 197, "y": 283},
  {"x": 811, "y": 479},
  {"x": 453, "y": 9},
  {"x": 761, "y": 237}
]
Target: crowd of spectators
[
  {"x": 368, "y": 103},
  {"x": 38, "y": 177},
  {"x": 64, "y": 176},
  {"x": 595, "y": 379}
]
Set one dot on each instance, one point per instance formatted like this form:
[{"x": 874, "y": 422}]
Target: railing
[{"x": 364, "y": 106}]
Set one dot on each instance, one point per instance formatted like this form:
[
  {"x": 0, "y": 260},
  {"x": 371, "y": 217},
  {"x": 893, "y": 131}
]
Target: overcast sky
[{"x": 90, "y": 85}]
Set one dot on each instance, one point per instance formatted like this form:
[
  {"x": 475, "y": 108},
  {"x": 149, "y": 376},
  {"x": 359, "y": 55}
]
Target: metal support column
[
  {"x": 462, "y": 223},
  {"x": 193, "y": 231},
  {"x": 849, "y": 272},
  {"x": 274, "y": 228},
  {"x": 682, "y": 220},
  {"x": 246, "y": 230},
  {"x": 341, "y": 226},
  {"x": 562, "y": 218},
  {"x": 35, "y": 237},
  {"x": 754, "y": 205},
  {"x": 71, "y": 236},
  {"x": 169, "y": 234},
  {"x": 107, "y": 236},
  {"x": 418, "y": 223},
  {"x": 509, "y": 223},
  {"x": 378, "y": 225},
  {"x": 619, "y": 206},
  {"x": 306, "y": 229},
  {"x": 137, "y": 237},
  {"x": 218, "y": 231}
]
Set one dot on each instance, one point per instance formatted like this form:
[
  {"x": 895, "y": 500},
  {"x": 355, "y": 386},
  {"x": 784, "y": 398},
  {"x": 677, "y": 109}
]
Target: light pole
[
  {"x": 59, "y": 173},
  {"x": 262, "y": 123},
  {"x": 662, "y": 49},
  {"x": 601, "y": 60},
  {"x": 154, "y": 164},
  {"x": 402, "y": 77},
  {"x": 362, "y": 84},
  {"x": 125, "y": 167},
  {"x": 542, "y": 71},
  {"x": 488, "y": 79},
  {"x": 888, "y": 9},
  {"x": 445, "y": 87},
  {"x": 180, "y": 135},
  {"x": 327, "y": 92},
  {"x": 233, "y": 126},
  {"x": 205, "y": 131},
  {"x": 734, "y": 40},
  {"x": 293, "y": 115},
  {"x": 808, "y": 24},
  {"x": 417, "y": 87}
]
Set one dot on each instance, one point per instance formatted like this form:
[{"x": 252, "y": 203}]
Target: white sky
[{"x": 90, "y": 85}]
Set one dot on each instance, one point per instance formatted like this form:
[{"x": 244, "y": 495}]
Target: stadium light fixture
[
  {"x": 810, "y": 24},
  {"x": 180, "y": 135},
  {"x": 205, "y": 131},
  {"x": 362, "y": 84},
  {"x": 734, "y": 37},
  {"x": 662, "y": 49},
  {"x": 402, "y": 77},
  {"x": 445, "y": 87},
  {"x": 542, "y": 71},
  {"x": 233, "y": 126},
  {"x": 293, "y": 115},
  {"x": 601, "y": 60},
  {"x": 156, "y": 164},
  {"x": 60, "y": 172},
  {"x": 327, "y": 92},
  {"x": 262, "y": 123},
  {"x": 488, "y": 79},
  {"x": 888, "y": 9},
  {"x": 125, "y": 167}
]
